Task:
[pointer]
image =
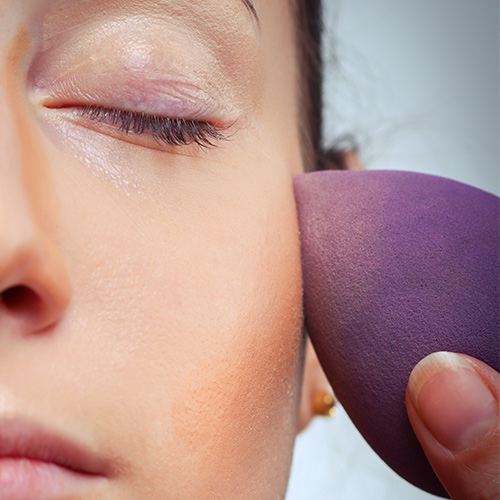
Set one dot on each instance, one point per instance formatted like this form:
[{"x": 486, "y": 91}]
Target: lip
[{"x": 36, "y": 463}]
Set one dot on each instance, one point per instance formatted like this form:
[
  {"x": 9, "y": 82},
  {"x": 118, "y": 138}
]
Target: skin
[
  {"x": 154, "y": 291},
  {"x": 147, "y": 283}
]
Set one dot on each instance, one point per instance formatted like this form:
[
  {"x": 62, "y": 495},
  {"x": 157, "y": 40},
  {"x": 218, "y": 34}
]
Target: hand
[{"x": 452, "y": 403}]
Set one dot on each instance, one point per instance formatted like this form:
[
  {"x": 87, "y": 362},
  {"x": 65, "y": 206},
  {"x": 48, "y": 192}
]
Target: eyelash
[{"x": 164, "y": 130}]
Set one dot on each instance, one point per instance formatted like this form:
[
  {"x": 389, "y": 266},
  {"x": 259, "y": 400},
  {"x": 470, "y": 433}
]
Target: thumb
[{"x": 452, "y": 403}]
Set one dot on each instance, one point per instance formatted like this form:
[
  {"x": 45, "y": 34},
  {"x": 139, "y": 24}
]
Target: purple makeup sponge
[{"x": 396, "y": 265}]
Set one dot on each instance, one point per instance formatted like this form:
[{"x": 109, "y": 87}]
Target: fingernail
[{"x": 452, "y": 400}]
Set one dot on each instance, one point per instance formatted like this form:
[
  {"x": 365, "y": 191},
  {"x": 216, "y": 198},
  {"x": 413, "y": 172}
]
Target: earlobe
[
  {"x": 317, "y": 397},
  {"x": 342, "y": 155},
  {"x": 341, "y": 160}
]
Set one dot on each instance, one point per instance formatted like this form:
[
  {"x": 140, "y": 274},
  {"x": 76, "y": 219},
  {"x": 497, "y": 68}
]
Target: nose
[{"x": 35, "y": 287}]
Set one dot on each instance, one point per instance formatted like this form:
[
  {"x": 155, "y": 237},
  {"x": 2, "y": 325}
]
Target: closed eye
[{"x": 164, "y": 130}]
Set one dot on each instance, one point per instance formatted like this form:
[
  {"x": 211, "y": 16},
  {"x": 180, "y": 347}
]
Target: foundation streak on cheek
[
  {"x": 231, "y": 411},
  {"x": 240, "y": 403},
  {"x": 34, "y": 164}
]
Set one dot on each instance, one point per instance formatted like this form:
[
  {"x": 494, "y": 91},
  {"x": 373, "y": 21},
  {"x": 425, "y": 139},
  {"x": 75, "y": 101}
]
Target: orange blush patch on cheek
[
  {"x": 238, "y": 408},
  {"x": 237, "y": 413}
]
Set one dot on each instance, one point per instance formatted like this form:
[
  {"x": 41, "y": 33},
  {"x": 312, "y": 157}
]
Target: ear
[
  {"x": 351, "y": 161},
  {"x": 314, "y": 383},
  {"x": 342, "y": 157}
]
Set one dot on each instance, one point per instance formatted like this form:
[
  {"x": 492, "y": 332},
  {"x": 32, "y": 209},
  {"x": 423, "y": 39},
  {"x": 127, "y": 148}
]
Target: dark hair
[{"x": 308, "y": 17}]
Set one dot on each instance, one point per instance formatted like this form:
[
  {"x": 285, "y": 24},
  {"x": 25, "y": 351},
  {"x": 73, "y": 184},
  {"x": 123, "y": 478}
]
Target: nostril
[{"x": 21, "y": 300}]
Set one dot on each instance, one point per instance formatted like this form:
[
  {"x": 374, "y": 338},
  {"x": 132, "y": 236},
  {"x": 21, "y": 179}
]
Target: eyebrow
[{"x": 253, "y": 11}]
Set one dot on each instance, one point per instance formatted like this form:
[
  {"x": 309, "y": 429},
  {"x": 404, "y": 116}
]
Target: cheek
[
  {"x": 242, "y": 391},
  {"x": 198, "y": 305}
]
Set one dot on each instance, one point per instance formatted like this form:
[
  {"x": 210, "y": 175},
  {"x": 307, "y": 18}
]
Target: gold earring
[{"x": 324, "y": 404}]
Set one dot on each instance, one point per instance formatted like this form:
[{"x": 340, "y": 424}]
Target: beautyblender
[{"x": 396, "y": 265}]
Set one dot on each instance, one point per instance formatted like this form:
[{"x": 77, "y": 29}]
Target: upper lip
[{"x": 21, "y": 438}]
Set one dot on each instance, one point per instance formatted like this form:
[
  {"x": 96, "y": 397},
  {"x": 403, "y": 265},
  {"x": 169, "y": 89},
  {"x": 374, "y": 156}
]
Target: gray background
[{"x": 417, "y": 83}]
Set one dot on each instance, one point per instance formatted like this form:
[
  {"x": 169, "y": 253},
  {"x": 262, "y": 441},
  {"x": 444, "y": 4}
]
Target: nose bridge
[
  {"x": 34, "y": 282},
  {"x": 16, "y": 226}
]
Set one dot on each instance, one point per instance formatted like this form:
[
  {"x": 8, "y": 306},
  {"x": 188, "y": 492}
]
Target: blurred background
[{"x": 417, "y": 85}]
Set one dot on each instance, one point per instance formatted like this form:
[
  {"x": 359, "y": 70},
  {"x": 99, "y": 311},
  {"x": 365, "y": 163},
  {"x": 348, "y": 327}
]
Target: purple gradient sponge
[{"x": 396, "y": 265}]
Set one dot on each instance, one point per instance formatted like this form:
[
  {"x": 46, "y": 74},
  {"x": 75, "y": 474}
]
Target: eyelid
[{"x": 163, "y": 97}]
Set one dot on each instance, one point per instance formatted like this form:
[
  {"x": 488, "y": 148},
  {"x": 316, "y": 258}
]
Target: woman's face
[{"x": 151, "y": 292}]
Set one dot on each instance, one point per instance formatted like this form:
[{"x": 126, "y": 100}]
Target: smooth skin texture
[
  {"x": 151, "y": 295},
  {"x": 153, "y": 291}
]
